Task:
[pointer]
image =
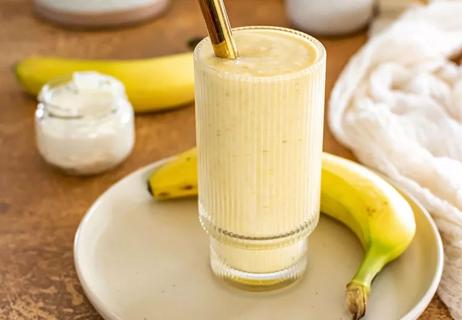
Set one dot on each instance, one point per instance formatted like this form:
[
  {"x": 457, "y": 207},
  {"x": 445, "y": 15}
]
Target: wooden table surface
[{"x": 40, "y": 208}]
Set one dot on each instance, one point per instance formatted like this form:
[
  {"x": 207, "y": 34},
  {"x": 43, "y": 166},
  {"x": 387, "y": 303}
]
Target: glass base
[{"x": 259, "y": 270}]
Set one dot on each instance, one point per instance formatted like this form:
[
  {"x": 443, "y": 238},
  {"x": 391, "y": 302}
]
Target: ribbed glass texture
[{"x": 259, "y": 146}]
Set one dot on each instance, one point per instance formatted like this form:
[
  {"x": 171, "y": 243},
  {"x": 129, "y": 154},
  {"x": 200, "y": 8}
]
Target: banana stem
[
  {"x": 359, "y": 288},
  {"x": 356, "y": 299}
]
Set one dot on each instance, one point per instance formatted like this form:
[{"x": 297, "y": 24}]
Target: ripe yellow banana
[
  {"x": 152, "y": 84},
  {"x": 374, "y": 210},
  {"x": 177, "y": 178}
]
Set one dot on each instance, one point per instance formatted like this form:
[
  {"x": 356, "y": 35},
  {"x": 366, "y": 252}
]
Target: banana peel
[{"x": 151, "y": 84}]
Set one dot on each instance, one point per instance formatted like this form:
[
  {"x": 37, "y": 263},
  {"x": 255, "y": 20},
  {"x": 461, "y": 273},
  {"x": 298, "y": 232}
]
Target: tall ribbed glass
[{"x": 259, "y": 144}]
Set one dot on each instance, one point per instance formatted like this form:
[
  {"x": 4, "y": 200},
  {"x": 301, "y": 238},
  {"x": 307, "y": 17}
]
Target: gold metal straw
[{"x": 215, "y": 16}]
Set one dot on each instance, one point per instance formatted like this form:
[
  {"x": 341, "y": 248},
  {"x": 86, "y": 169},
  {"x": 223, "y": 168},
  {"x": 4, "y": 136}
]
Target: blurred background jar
[
  {"x": 84, "y": 123},
  {"x": 330, "y": 17},
  {"x": 99, "y": 13}
]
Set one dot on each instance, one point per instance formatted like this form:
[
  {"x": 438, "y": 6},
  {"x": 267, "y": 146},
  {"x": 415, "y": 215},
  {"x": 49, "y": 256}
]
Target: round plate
[{"x": 141, "y": 259}]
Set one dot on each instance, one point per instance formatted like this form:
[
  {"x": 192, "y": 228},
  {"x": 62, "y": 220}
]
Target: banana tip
[
  {"x": 15, "y": 70},
  {"x": 151, "y": 192},
  {"x": 356, "y": 299},
  {"x": 193, "y": 42}
]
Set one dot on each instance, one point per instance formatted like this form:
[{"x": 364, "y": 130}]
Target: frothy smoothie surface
[{"x": 264, "y": 53}]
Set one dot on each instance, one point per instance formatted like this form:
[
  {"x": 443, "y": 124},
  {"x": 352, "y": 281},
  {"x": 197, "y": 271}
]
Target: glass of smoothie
[{"x": 259, "y": 136}]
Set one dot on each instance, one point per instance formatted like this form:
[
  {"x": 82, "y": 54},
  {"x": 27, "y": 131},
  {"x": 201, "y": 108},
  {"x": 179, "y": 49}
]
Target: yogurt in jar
[{"x": 84, "y": 123}]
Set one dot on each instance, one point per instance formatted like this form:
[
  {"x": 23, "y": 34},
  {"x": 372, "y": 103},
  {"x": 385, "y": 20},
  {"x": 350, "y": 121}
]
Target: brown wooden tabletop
[{"x": 40, "y": 208}]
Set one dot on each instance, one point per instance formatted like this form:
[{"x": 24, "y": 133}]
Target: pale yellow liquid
[
  {"x": 264, "y": 53},
  {"x": 259, "y": 135}
]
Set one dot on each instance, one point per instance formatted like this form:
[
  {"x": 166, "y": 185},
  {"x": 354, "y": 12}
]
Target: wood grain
[{"x": 40, "y": 208}]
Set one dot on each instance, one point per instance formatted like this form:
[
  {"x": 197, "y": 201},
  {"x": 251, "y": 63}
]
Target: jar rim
[
  {"x": 47, "y": 105},
  {"x": 51, "y": 111}
]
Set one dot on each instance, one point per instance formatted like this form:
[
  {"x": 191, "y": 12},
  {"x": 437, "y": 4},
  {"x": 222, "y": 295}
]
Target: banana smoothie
[{"x": 259, "y": 136}]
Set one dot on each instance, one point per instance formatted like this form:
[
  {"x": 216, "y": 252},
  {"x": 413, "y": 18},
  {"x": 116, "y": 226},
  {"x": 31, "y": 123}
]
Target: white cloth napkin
[{"x": 398, "y": 106}]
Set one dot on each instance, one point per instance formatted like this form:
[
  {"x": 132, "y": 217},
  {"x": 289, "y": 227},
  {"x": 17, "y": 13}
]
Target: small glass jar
[
  {"x": 84, "y": 123},
  {"x": 330, "y": 18}
]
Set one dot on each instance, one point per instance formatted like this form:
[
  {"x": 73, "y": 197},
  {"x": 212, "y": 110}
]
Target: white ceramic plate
[{"x": 138, "y": 259}]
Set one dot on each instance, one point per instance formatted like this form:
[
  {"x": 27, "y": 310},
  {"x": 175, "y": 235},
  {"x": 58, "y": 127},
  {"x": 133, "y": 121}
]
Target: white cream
[{"x": 84, "y": 125}]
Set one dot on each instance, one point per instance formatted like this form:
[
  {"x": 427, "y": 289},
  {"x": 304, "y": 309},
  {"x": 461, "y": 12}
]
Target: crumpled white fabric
[{"x": 398, "y": 106}]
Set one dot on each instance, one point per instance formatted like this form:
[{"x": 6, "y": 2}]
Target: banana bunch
[
  {"x": 369, "y": 206},
  {"x": 151, "y": 84}
]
